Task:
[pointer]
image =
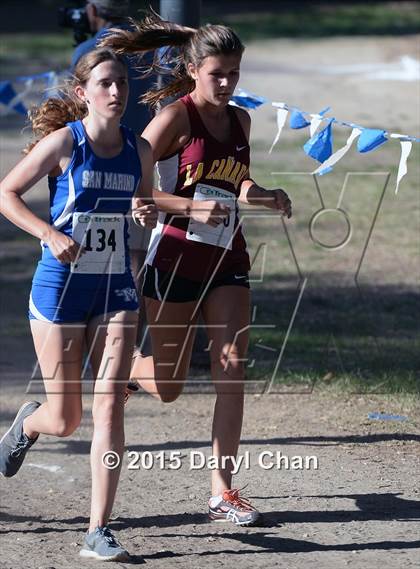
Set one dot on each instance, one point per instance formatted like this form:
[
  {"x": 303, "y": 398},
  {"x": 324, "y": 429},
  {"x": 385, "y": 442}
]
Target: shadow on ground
[{"x": 371, "y": 507}]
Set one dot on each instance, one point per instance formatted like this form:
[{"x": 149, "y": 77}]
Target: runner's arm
[
  {"x": 145, "y": 187},
  {"x": 168, "y": 131},
  {"x": 166, "y": 134},
  {"x": 253, "y": 194},
  {"x": 144, "y": 211},
  {"x": 50, "y": 156}
]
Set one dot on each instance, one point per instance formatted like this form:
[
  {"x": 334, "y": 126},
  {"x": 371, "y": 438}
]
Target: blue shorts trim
[{"x": 70, "y": 302}]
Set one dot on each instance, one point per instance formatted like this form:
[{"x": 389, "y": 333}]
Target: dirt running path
[{"x": 361, "y": 508}]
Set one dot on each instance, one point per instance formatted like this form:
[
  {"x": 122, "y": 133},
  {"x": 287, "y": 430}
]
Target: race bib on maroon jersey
[{"x": 220, "y": 236}]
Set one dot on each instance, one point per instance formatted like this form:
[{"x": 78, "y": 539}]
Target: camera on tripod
[{"x": 75, "y": 17}]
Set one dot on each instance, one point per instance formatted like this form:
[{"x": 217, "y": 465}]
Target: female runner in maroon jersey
[{"x": 197, "y": 260}]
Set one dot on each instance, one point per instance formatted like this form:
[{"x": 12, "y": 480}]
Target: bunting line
[
  {"x": 318, "y": 146},
  {"x": 250, "y": 101}
]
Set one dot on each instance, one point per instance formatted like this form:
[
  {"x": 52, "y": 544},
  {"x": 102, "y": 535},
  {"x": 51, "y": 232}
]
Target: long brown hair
[
  {"x": 194, "y": 45},
  {"x": 56, "y": 112}
]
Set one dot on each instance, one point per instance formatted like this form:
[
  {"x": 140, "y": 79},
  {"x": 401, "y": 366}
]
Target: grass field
[
  {"x": 320, "y": 19},
  {"x": 356, "y": 333}
]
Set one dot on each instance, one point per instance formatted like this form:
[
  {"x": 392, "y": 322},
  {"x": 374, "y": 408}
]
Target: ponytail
[
  {"x": 193, "y": 45},
  {"x": 147, "y": 35}
]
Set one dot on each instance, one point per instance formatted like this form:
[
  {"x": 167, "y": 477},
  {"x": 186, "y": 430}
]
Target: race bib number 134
[{"x": 102, "y": 237}]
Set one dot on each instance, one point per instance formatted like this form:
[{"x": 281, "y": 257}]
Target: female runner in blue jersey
[{"x": 82, "y": 291}]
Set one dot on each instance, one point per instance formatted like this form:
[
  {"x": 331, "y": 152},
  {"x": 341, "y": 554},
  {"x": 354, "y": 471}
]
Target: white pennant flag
[
  {"x": 334, "y": 158},
  {"x": 281, "y": 119},
  {"x": 406, "y": 147},
  {"x": 315, "y": 122}
]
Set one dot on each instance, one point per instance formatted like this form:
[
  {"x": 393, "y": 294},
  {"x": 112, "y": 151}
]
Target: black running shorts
[{"x": 162, "y": 285}]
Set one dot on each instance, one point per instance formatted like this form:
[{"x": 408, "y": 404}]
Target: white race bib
[
  {"x": 102, "y": 236},
  {"x": 221, "y": 236}
]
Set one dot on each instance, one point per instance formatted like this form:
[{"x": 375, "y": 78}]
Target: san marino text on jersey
[{"x": 108, "y": 180}]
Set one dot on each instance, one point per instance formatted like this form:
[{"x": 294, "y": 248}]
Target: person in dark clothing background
[{"x": 102, "y": 15}]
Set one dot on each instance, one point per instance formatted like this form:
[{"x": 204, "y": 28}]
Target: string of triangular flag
[
  {"x": 13, "y": 101},
  {"x": 320, "y": 144}
]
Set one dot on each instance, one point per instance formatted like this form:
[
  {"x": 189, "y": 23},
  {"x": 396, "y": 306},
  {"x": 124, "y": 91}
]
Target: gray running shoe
[
  {"x": 15, "y": 444},
  {"x": 102, "y": 545},
  {"x": 233, "y": 508}
]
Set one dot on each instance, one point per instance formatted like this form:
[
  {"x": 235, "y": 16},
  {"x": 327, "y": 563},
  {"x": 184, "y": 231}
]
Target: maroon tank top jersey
[{"x": 202, "y": 169}]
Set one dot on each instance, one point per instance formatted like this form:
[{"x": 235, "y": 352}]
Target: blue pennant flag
[
  {"x": 7, "y": 94},
  {"x": 320, "y": 145},
  {"x": 370, "y": 139},
  {"x": 322, "y": 113},
  {"x": 297, "y": 120},
  {"x": 248, "y": 100}
]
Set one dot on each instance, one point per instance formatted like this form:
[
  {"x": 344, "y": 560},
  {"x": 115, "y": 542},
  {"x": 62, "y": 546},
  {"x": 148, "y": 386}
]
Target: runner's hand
[
  {"x": 63, "y": 247},
  {"x": 144, "y": 215},
  {"x": 209, "y": 211},
  {"x": 279, "y": 200}
]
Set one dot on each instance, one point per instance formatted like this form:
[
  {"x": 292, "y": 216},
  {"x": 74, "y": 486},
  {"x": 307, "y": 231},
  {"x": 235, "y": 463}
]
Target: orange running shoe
[{"x": 233, "y": 508}]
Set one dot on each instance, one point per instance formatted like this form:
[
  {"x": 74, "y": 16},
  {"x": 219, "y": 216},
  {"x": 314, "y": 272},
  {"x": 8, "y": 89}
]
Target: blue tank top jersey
[{"x": 91, "y": 185}]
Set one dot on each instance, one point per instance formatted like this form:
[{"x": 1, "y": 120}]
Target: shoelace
[
  {"x": 20, "y": 446},
  {"x": 232, "y": 496},
  {"x": 105, "y": 532}
]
